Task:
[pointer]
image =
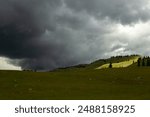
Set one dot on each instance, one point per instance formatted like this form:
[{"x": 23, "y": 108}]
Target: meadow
[
  {"x": 126, "y": 63},
  {"x": 77, "y": 83}
]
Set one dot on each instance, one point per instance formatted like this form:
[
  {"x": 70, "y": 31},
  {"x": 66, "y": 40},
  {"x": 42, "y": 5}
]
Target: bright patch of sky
[{"x": 4, "y": 65}]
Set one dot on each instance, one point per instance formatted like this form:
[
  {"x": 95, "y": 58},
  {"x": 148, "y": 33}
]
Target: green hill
[
  {"x": 79, "y": 82},
  {"x": 125, "y": 63},
  {"x": 101, "y": 62}
]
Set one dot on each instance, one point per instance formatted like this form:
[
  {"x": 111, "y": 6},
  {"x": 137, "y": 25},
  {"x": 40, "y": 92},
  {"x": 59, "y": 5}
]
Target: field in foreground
[{"x": 121, "y": 83}]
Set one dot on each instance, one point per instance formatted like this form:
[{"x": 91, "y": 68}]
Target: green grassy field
[{"x": 77, "y": 83}]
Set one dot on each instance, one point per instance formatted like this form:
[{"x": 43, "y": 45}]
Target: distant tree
[
  {"x": 139, "y": 62},
  {"x": 143, "y": 62},
  {"x": 110, "y": 65},
  {"x": 34, "y": 70},
  {"x": 148, "y": 62}
]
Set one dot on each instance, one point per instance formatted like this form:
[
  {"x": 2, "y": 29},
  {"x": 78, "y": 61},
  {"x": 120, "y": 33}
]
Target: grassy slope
[
  {"x": 123, "y": 83},
  {"x": 100, "y": 62},
  {"x": 125, "y": 63}
]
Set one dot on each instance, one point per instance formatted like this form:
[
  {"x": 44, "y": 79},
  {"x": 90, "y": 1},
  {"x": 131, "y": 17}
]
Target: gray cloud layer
[
  {"x": 124, "y": 11},
  {"x": 46, "y": 34}
]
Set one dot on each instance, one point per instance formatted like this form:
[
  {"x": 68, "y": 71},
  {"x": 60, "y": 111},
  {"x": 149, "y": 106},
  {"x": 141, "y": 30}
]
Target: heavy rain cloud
[{"x": 47, "y": 34}]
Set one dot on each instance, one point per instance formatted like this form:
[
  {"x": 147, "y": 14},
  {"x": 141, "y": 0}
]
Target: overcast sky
[{"x": 46, "y": 34}]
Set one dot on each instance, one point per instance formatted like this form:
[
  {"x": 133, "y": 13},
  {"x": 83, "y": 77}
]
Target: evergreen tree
[
  {"x": 143, "y": 62},
  {"x": 148, "y": 62},
  {"x": 110, "y": 65},
  {"x": 139, "y": 62}
]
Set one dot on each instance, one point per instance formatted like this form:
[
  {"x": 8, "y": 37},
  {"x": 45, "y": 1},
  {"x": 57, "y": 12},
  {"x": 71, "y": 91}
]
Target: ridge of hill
[
  {"x": 101, "y": 62},
  {"x": 122, "y": 64}
]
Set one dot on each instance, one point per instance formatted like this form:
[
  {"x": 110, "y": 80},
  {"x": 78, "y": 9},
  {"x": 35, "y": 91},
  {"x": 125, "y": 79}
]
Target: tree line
[{"x": 145, "y": 61}]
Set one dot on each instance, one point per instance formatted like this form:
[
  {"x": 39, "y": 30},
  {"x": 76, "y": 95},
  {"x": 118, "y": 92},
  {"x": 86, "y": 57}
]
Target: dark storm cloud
[
  {"x": 124, "y": 11},
  {"x": 46, "y": 34},
  {"x": 22, "y": 25}
]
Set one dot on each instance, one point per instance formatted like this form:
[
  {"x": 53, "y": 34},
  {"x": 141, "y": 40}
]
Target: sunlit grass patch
[{"x": 126, "y": 63}]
